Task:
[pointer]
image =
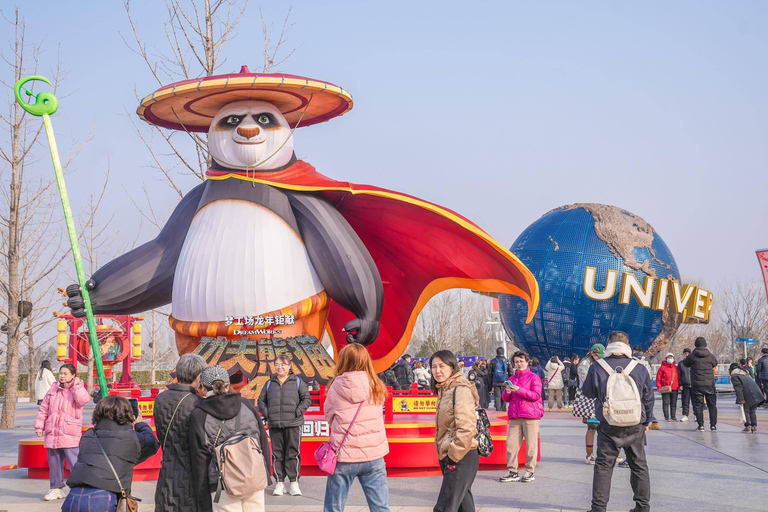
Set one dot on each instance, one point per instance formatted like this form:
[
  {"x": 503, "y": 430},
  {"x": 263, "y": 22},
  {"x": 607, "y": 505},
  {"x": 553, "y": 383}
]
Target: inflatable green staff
[{"x": 44, "y": 105}]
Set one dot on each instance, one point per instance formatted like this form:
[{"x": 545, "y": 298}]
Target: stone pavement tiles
[{"x": 690, "y": 471}]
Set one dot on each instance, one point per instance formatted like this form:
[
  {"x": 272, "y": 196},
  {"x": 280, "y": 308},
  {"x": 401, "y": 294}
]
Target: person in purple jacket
[{"x": 523, "y": 392}]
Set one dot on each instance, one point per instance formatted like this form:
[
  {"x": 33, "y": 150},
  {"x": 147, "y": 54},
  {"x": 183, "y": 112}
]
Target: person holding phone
[
  {"x": 523, "y": 392},
  {"x": 60, "y": 420}
]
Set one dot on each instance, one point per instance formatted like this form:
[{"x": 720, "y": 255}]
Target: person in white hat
[{"x": 668, "y": 384}]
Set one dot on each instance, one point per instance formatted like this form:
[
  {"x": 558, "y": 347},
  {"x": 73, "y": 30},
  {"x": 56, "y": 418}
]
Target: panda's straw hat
[{"x": 190, "y": 105}]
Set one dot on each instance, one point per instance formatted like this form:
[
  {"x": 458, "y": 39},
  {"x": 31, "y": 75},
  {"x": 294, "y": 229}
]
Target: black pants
[
  {"x": 498, "y": 389},
  {"x": 286, "y": 456},
  {"x": 751, "y": 415},
  {"x": 700, "y": 395},
  {"x": 686, "y": 399},
  {"x": 764, "y": 386},
  {"x": 669, "y": 404},
  {"x": 609, "y": 441},
  {"x": 456, "y": 490},
  {"x": 571, "y": 394}
]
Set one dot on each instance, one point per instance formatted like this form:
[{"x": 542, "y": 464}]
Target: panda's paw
[{"x": 362, "y": 331}]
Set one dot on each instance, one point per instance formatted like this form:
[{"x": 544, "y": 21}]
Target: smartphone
[{"x": 135, "y": 406}]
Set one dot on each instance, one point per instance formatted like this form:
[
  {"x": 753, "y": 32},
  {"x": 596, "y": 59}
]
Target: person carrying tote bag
[
  {"x": 668, "y": 384},
  {"x": 353, "y": 408},
  {"x": 103, "y": 482},
  {"x": 584, "y": 407}
]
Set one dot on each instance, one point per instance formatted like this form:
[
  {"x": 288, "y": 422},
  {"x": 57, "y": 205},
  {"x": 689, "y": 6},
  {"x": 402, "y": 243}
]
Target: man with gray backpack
[{"x": 624, "y": 406}]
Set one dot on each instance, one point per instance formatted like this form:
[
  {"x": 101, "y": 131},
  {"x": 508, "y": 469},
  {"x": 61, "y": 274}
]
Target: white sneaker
[
  {"x": 53, "y": 495},
  {"x": 279, "y": 489},
  {"x": 295, "y": 491},
  {"x": 684, "y": 418}
]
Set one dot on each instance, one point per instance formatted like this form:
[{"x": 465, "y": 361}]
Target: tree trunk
[
  {"x": 153, "y": 341},
  {"x": 31, "y": 374}
]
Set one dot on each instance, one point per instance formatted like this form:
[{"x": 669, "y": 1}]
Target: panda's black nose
[{"x": 248, "y": 132}]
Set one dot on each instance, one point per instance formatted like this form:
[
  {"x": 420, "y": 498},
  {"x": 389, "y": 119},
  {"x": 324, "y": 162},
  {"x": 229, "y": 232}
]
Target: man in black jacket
[
  {"x": 762, "y": 374},
  {"x": 611, "y": 439},
  {"x": 684, "y": 377},
  {"x": 703, "y": 364},
  {"x": 283, "y": 401},
  {"x": 175, "y": 488},
  {"x": 404, "y": 373},
  {"x": 498, "y": 373}
]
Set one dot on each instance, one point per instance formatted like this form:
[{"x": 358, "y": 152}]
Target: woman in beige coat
[{"x": 455, "y": 431}]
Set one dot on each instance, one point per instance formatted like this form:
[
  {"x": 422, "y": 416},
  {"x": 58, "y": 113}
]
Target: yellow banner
[
  {"x": 147, "y": 408},
  {"x": 414, "y": 404}
]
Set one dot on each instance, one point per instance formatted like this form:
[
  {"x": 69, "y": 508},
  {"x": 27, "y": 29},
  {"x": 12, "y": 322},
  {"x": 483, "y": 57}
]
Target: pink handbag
[{"x": 326, "y": 455}]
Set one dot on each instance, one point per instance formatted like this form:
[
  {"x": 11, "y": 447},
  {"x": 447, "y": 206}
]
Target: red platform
[{"x": 411, "y": 437}]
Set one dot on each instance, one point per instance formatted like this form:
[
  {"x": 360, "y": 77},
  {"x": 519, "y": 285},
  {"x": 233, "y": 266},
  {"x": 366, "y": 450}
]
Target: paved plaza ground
[{"x": 690, "y": 471}]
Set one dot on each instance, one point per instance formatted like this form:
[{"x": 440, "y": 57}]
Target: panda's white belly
[{"x": 240, "y": 259}]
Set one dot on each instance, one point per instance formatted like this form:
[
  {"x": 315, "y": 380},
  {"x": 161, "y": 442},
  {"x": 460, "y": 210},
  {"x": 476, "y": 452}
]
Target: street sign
[{"x": 748, "y": 341}]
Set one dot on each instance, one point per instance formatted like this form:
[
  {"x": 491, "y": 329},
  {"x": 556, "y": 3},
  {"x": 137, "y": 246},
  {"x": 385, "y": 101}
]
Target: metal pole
[
  {"x": 46, "y": 104},
  {"x": 733, "y": 344}
]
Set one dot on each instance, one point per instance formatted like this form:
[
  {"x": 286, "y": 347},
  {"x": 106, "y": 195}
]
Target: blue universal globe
[{"x": 557, "y": 249}]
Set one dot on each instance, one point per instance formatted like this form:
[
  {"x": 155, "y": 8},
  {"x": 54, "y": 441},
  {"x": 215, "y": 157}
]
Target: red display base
[{"x": 411, "y": 449}]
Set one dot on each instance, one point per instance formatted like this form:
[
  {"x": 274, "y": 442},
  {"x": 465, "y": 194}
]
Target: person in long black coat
[
  {"x": 748, "y": 395},
  {"x": 126, "y": 440},
  {"x": 478, "y": 378},
  {"x": 175, "y": 490}
]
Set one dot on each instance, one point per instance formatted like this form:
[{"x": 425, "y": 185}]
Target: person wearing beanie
[
  {"x": 612, "y": 438},
  {"x": 703, "y": 365},
  {"x": 684, "y": 378},
  {"x": 761, "y": 374},
  {"x": 498, "y": 373},
  {"x": 221, "y": 407}
]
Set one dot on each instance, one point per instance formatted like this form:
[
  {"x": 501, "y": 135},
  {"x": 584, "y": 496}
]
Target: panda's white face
[{"x": 250, "y": 135}]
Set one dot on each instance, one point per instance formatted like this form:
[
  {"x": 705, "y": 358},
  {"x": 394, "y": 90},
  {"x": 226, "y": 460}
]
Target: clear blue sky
[{"x": 499, "y": 110}]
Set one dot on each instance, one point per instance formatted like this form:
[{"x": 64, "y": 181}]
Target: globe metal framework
[{"x": 557, "y": 249}]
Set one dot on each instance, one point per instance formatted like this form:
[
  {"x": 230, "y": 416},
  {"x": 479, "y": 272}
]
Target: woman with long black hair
[{"x": 455, "y": 431}]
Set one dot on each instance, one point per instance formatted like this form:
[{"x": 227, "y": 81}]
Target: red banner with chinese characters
[{"x": 762, "y": 257}]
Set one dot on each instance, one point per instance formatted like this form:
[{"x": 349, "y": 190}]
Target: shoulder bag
[
  {"x": 126, "y": 502},
  {"x": 327, "y": 456},
  {"x": 483, "y": 436}
]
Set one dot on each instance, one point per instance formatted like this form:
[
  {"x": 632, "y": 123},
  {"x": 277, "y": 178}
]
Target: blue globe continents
[{"x": 557, "y": 249}]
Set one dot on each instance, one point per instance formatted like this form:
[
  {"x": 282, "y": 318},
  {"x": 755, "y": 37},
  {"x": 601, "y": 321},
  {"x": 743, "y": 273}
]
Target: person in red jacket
[{"x": 668, "y": 385}]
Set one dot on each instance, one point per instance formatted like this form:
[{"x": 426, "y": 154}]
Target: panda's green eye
[
  {"x": 263, "y": 119},
  {"x": 234, "y": 120}
]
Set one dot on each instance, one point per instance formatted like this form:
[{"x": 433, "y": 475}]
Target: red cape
[{"x": 420, "y": 249}]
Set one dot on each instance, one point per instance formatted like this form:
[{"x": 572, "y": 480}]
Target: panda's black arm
[
  {"x": 142, "y": 278},
  {"x": 343, "y": 264}
]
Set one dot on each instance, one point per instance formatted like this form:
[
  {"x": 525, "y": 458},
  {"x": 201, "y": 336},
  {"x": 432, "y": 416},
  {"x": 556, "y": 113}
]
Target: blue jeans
[
  {"x": 88, "y": 499},
  {"x": 373, "y": 479}
]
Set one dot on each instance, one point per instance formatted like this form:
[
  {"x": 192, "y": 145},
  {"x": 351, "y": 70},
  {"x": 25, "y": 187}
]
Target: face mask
[{"x": 670, "y": 360}]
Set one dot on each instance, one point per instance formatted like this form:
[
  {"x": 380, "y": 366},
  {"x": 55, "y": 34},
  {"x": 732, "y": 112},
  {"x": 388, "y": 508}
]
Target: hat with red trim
[{"x": 190, "y": 105}]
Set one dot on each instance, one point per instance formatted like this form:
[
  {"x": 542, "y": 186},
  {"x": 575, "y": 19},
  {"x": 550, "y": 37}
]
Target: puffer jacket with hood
[
  {"x": 746, "y": 389},
  {"x": 667, "y": 376},
  {"x": 205, "y": 434},
  {"x": 702, "y": 363},
  {"x": 60, "y": 416},
  {"x": 526, "y": 401},
  {"x": 456, "y": 425},
  {"x": 45, "y": 379},
  {"x": 367, "y": 439}
]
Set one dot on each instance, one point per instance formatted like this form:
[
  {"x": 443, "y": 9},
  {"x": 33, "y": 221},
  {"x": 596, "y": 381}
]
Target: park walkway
[{"x": 690, "y": 471}]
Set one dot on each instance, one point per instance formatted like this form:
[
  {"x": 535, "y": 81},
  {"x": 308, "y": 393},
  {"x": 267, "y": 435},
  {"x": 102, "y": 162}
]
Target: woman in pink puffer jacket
[
  {"x": 354, "y": 387},
  {"x": 60, "y": 419},
  {"x": 523, "y": 392}
]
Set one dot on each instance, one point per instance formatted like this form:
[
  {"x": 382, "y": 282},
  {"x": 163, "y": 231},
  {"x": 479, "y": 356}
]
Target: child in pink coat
[{"x": 60, "y": 419}]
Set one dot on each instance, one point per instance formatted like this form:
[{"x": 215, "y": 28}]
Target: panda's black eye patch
[
  {"x": 230, "y": 121},
  {"x": 266, "y": 120}
]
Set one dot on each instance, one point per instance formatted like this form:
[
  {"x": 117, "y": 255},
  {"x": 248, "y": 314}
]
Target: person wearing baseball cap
[{"x": 237, "y": 414}]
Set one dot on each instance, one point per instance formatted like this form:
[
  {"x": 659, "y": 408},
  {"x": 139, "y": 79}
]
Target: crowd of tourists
[{"x": 201, "y": 423}]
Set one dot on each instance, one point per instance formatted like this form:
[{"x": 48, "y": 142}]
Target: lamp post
[{"x": 733, "y": 343}]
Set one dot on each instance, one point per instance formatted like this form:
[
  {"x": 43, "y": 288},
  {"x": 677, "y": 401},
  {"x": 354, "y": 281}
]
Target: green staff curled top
[{"x": 45, "y": 104}]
